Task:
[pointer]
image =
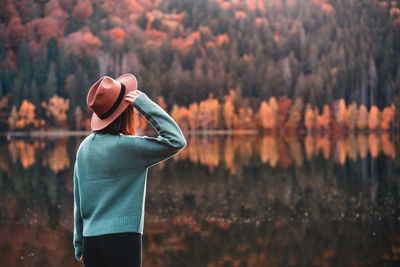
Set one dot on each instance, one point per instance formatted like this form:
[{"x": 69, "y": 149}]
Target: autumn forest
[
  {"x": 290, "y": 109},
  {"x": 273, "y": 65}
]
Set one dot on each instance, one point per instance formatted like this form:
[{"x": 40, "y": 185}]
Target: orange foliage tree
[
  {"x": 387, "y": 117},
  {"x": 374, "y": 118},
  {"x": 267, "y": 116},
  {"x": 83, "y": 10},
  {"x": 26, "y": 115},
  {"x": 182, "y": 116},
  {"x": 325, "y": 119},
  {"x": 82, "y": 41},
  {"x": 309, "y": 118},
  {"x": 45, "y": 28}
]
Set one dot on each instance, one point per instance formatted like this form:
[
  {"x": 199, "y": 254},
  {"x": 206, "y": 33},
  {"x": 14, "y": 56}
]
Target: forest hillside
[{"x": 215, "y": 64}]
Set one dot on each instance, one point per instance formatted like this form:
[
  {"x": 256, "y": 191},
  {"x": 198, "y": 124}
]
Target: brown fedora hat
[{"x": 106, "y": 98}]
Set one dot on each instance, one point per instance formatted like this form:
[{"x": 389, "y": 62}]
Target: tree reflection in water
[{"x": 224, "y": 200}]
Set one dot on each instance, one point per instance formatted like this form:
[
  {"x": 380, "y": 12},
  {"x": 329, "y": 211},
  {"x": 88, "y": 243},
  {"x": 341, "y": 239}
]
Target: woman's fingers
[
  {"x": 134, "y": 93},
  {"x": 130, "y": 97}
]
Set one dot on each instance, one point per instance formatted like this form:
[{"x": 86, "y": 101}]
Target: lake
[{"x": 240, "y": 200}]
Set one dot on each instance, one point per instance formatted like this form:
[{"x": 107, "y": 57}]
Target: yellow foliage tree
[
  {"x": 323, "y": 120},
  {"x": 341, "y": 113},
  {"x": 273, "y": 103},
  {"x": 57, "y": 108},
  {"x": 193, "y": 116},
  {"x": 326, "y": 117},
  {"x": 267, "y": 116}
]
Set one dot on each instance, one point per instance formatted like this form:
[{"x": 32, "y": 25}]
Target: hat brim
[{"x": 130, "y": 83}]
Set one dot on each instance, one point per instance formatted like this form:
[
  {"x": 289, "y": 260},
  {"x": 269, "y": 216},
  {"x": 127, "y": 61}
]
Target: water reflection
[
  {"x": 284, "y": 151},
  {"x": 211, "y": 151},
  {"x": 224, "y": 200}
]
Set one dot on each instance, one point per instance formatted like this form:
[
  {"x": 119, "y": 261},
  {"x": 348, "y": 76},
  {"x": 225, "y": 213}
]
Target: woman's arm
[
  {"x": 171, "y": 139},
  {"x": 78, "y": 226}
]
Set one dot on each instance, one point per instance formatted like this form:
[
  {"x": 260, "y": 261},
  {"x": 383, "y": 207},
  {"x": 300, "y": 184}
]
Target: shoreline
[
  {"x": 58, "y": 133},
  {"x": 211, "y": 132}
]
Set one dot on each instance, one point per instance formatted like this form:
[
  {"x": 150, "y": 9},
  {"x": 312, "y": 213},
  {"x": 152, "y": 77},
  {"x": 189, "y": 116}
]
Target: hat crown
[
  {"x": 106, "y": 98},
  {"x": 103, "y": 95}
]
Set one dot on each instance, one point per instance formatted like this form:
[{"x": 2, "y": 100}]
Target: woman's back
[
  {"x": 111, "y": 173},
  {"x": 112, "y": 180}
]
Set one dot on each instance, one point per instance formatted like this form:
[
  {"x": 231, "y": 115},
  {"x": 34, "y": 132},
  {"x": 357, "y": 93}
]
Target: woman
[{"x": 110, "y": 172}]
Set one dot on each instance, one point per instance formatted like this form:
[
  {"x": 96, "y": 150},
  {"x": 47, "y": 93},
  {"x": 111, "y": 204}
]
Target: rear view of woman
[{"x": 110, "y": 172}]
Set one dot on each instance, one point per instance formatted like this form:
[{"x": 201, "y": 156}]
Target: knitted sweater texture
[{"x": 110, "y": 175}]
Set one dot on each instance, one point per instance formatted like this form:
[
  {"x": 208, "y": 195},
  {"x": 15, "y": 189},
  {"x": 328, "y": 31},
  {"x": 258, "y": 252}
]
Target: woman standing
[{"x": 110, "y": 172}]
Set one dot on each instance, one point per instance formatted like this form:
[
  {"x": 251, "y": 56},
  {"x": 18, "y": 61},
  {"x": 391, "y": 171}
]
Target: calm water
[{"x": 223, "y": 201}]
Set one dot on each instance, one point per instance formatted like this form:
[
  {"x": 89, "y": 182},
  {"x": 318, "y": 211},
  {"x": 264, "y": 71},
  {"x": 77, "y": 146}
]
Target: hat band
[{"x": 116, "y": 104}]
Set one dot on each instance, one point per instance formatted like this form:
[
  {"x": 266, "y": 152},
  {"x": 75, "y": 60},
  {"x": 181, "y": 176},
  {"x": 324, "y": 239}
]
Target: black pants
[{"x": 112, "y": 250}]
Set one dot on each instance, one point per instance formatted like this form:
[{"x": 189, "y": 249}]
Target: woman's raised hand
[{"x": 130, "y": 97}]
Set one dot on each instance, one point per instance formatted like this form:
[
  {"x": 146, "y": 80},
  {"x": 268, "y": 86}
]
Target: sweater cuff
[
  {"x": 140, "y": 100},
  {"x": 78, "y": 253}
]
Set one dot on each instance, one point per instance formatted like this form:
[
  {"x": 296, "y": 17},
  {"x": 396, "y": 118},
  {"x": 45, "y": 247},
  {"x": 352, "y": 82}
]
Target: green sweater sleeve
[
  {"x": 77, "y": 218},
  {"x": 171, "y": 139}
]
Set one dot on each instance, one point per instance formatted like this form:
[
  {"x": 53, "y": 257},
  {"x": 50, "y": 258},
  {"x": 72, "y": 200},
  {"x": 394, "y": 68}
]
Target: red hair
[{"x": 123, "y": 124}]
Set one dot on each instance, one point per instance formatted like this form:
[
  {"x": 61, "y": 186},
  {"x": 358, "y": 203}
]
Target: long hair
[{"x": 123, "y": 124}]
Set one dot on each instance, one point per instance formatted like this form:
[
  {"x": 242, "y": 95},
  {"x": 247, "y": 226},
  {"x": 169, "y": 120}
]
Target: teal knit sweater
[{"x": 110, "y": 175}]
